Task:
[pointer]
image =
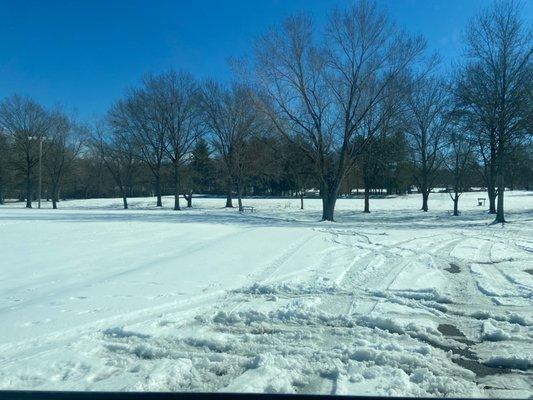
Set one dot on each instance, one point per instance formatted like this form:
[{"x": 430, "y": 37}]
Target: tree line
[{"x": 356, "y": 104}]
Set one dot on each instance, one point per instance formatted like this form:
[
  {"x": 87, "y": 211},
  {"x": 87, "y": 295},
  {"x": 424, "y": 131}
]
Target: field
[{"x": 396, "y": 302}]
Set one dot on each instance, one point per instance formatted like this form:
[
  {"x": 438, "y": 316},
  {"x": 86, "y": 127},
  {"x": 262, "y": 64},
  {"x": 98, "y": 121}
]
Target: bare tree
[
  {"x": 231, "y": 117},
  {"x": 499, "y": 47},
  {"x": 377, "y": 125},
  {"x": 370, "y": 163},
  {"x": 317, "y": 90},
  {"x": 426, "y": 122},
  {"x": 139, "y": 116},
  {"x": 457, "y": 159},
  {"x": 117, "y": 152},
  {"x": 26, "y": 122},
  {"x": 476, "y": 102},
  {"x": 177, "y": 103},
  {"x": 62, "y": 145},
  {"x": 187, "y": 177}
]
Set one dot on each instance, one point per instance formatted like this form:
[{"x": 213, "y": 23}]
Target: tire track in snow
[
  {"x": 437, "y": 252},
  {"x": 285, "y": 257},
  {"x": 191, "y": 305},
  {"x": 265, "y": 275},
  {"x": 446, "y": 249},
  {"x": 373, "y": 271},
  {"x": 72, "y": 289}
]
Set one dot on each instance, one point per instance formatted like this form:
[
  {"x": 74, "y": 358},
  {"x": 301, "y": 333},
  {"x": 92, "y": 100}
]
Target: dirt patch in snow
[
  {"x": 464, "y": 356},
  {"x": 453, "y": 268},
  {"x": 452, "y": 332}
]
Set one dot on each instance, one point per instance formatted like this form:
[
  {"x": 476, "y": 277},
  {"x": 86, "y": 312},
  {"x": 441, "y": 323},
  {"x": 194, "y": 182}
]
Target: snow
[
  {"x": 93, "y": 297},
  {"x": 512, "y": 361},
  {"x": 492, "y": 333}
]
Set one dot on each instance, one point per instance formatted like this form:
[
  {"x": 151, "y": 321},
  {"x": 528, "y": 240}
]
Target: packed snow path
[{"x": 397, "y": 302}]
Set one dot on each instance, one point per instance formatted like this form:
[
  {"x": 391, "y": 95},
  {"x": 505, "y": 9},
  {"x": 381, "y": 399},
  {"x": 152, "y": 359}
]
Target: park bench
[
  {"x": 481, "y": 201},
  {"x": 247, "y": 208}
]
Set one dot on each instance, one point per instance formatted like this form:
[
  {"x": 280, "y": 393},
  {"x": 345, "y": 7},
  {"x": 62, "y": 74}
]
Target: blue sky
[{"x": 84, "y": 54}]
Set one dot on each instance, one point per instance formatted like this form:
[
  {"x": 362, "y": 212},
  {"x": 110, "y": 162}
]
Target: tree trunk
[
  {"x": 1, "y": 192},
  {"x": 176, "y": 188},
  {"x": 188, "y": 198},
  {"x": 425, "y": 196},
  {"x": 329, "y": 197},
  {"x": 124, "y": 195},
  {"x": 28, "y": 189},
  {"x": 158, "y": 190},
  {"x": 301, "y": 200},
  {"x": 489, "y": 173},
  {"x": 229, "y": 201},
  {"x": 239, "y": 195},
  {"x": 491, "y": 192},
  {"x": 500, "y": 218},
  {"x": 367, "y": 199},
  {"x": 456, "y": 205},
  {"x": 55, "y": 196}
]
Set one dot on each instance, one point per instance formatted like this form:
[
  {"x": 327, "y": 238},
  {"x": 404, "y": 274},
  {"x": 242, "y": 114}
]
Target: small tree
[
  {"x": 232, "y": 119},
  {"x": 178, "y": 110},
  {"x": 372, "y": 158},
  {"x": 139, "y": 116},
  {"x": 458, "y": 158},
  {"x": 117, "y": 152},
  {"x": 426, "y": 123},
  {"x": 63, "y": 144},
  {"x": 371, "y": 163},
  {"x": 187, "y": 180}
]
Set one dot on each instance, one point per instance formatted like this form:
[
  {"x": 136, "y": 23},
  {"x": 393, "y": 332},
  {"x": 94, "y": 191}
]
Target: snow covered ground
[{"x": 396, "y": 302}]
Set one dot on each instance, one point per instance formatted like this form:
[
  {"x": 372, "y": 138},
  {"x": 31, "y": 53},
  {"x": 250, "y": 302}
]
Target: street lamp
[{"x": 39, "y": 188}]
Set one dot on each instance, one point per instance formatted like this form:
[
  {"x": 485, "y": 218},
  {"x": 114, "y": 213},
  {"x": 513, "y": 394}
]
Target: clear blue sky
[{"x": 84, "y": 53}]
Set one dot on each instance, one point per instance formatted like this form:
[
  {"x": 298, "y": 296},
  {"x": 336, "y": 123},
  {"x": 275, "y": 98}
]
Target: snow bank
[{"x": 320, "y": 285}]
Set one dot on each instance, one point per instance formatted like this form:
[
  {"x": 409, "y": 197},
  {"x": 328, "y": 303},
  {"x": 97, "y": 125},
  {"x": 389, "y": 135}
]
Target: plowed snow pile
[{"x": 396, "y": 302}]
